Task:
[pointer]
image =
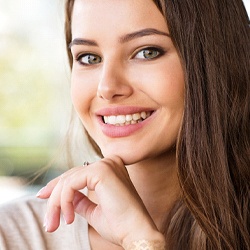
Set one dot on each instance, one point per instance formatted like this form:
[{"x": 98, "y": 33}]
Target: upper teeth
[{"x": 126, "y": 119}]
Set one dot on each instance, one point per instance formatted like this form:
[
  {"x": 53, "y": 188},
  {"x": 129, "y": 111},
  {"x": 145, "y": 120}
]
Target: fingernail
[
  {"x": 64, "y": 220},
  {"x": 45, "y": 223},
  {"x": 39, "y": 192}
]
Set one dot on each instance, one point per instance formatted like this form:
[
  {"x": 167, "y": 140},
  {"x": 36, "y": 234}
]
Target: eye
[
  {"x": 149, "y": 53},
  {"x": 88, "y": 59}
]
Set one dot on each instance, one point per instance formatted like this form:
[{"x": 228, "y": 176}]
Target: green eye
[
  {"x": 148, "y": 53},
  {"x": 88, "y": 59}
]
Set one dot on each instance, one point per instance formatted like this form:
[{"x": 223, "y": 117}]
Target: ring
[{"x": 86, "y": 163}]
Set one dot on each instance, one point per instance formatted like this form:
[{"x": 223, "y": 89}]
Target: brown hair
[{"x": 213, "y": 41}]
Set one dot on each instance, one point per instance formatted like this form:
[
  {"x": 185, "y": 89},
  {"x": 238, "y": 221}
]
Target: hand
[{"x": 120, "y": 215}]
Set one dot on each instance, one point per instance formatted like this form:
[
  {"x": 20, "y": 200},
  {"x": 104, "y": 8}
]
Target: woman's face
[{"x": 127, "y": 79}]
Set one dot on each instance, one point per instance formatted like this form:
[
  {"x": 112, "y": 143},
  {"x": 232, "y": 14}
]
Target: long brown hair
[{"x": 213, "y": 41}]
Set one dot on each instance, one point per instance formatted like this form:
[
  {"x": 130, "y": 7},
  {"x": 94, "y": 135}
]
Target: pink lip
[{"x": 121, "y": 131}]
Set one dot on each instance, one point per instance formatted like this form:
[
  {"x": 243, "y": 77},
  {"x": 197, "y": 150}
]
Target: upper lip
[{"x": 121, "y": 110}]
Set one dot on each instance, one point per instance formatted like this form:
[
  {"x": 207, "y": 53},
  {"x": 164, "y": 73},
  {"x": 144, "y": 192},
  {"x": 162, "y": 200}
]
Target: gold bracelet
[{"x": 146, "y": 245}]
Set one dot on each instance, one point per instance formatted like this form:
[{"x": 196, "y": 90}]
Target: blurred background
[{"x": 34, "y": 94}]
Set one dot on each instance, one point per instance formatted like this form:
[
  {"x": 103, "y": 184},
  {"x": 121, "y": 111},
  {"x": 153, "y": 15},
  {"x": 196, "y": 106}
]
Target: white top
[{"x": 21, "y": 228}]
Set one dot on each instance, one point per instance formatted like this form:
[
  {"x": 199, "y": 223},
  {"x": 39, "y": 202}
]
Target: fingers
[
  {"x": 62, "y": 193},
  {"x": 45, "y": 192},
  {"x": 52, "y": 219},
  {"x": 107, "y": 178},
  {"x": 84, "y": 207},
  {"x": 81, "y": 205}
]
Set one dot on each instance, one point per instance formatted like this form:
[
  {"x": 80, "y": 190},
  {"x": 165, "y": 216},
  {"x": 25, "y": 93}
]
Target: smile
[{"x": 129, "y": 119}]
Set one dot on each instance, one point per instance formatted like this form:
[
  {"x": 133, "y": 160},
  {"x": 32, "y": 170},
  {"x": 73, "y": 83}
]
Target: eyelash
[
  {"x": 160, "y": 52},
  {"x": 79, "y": 57}
]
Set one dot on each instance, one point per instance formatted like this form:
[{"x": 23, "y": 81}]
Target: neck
[{"x": 156, "y": 182}]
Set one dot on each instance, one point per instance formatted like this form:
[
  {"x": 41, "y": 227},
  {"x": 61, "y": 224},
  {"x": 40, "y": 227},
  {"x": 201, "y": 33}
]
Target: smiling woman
[
  {"x": 126, "y": 82},
  {"x": 159, "y": 90}
]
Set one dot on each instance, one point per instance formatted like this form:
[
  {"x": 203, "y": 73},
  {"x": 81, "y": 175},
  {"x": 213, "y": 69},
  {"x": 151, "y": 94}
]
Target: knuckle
[
  {"x": 118, "y": 160},
  {"x": 106, "y": 166},
  {"x": 63, "y": 179},
  {"x": 63, "y": 176}
]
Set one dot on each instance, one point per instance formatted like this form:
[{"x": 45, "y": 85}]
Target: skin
[{"x": 141, "y": 165}]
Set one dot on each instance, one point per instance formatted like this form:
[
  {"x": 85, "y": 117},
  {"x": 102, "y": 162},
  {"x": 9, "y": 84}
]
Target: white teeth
[
  {"x": 136, "y": 116},
  {"x": 143, "y": 115},
  {"x": 121, "y": 120},
  {"x": 105, "y": 119},
  {"x": 129, "y": 118},
  {"x": 111, "y": 119}
]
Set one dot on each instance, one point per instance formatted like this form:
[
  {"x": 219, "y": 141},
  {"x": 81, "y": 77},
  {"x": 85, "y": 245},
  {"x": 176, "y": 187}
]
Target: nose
[{"x": 114, "y": 82}]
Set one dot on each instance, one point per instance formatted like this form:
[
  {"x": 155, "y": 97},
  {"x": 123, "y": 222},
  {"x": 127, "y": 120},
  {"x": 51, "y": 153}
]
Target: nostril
[{"x": 114, "y": 86}]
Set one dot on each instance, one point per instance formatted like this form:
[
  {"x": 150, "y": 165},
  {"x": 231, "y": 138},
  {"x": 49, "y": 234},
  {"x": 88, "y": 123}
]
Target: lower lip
[{"x": 122, "y": 131}]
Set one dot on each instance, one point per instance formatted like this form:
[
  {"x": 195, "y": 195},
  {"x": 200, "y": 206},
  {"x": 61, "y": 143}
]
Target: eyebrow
[
  {"x": 81, "y": 41},
  {"x": 141, "y": 33},
  {"x": 122, "y": 39}
]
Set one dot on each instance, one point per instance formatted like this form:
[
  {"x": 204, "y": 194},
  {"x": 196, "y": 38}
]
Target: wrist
[
  {"x": 146, "y": 245},
  {"x": 152, "y": 241}
]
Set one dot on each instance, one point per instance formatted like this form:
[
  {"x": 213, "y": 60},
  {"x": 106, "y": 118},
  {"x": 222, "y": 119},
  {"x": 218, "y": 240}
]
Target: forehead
[{"x": 113, "y": 16}]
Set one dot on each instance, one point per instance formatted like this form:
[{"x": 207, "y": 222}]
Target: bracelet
[{"x": 146, "y": 245}]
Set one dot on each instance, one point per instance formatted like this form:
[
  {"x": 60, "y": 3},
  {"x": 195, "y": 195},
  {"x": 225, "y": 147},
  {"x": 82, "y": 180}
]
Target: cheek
[
  {"x": 173, "y": 91},
  {"x": 165, "y": 85},
  {"x": 82, "y": 90},
  {"x": 169, "y": 91},
  {"x": 76, "y": 95}
]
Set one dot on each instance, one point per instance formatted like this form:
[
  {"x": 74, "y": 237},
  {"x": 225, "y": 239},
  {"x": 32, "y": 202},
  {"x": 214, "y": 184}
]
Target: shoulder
[
  {"x": 21, "y": 202},
  {"x": 21, "y": 227},
  {"x": 26, "y": 207},
  {"x": 21, "y": 220}
]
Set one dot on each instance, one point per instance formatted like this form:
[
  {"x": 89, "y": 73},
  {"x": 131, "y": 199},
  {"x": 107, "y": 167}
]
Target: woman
[{"x": 162, "y": 89}]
